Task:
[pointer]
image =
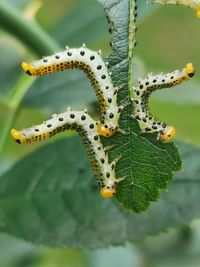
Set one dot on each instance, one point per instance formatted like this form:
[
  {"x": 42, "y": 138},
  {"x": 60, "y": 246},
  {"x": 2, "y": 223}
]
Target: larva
[
  {"x": 144, "y": 90},
  {"x": 88, "y": 130},
  {"x": 134, "y": 22},
  {"x": 93, "y": 65},
  {"x": 195, "y": 4}
]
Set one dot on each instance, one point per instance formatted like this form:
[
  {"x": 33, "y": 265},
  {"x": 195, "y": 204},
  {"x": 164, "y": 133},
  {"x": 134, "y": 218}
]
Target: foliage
[{"x": 46, "y": 201}]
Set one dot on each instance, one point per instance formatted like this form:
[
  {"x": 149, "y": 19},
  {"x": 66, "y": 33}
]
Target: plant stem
[
  {"x": 32, "y": 35},
  {"x": 13, "y": 102},
  {"x": 28, "y": 32}
]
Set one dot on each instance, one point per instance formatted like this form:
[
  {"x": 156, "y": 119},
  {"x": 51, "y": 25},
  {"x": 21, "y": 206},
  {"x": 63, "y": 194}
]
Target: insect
[
  {"x": 93, "y": 65},
  {"x": 87, "y": 128},
  {"x": 142, "y": 93},
  {"x": 195, "y": 4}
]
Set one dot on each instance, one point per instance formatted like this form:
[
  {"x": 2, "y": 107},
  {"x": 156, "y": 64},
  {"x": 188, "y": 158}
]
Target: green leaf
[
  {"x": 83, "y": 29},
  {"x": 57, "y": 91},
  {"x": 57, "y": 203},
  {"x": 179, "y": 205},
  {"x": 44, "y": 204},
  {"x": 147, "y": 163}
]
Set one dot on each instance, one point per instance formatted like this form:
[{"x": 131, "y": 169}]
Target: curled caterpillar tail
[
  {"x": 96, "y": 69},
  {"x": 87, "y": 128},
  {"x": 195, "y": 4},
  {"x": 142, "y": 93}
]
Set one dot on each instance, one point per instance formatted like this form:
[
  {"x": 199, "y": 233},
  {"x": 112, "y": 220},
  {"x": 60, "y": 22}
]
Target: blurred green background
[{"x": 167, "y": 39}]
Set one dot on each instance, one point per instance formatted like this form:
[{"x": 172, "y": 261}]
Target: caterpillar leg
[
  {"x": 118, "y": 88},
  {"x": 108, "y": 148},
  {"x": 119, "y": 130},
  {"x": 118, "y": 180},
  {"x": 114, "y": 162}
]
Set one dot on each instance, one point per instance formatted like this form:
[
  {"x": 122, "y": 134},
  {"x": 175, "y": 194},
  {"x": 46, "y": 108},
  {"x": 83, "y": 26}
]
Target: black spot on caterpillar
[
  {"x": 88, "y": 130},
  {"x": 93, "y": 65},
  {"x": 195, "y": 4},
  {"x": 144, "y": 90}
]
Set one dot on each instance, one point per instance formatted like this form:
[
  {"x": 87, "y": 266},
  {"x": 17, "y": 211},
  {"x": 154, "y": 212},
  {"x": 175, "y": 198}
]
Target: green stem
[
  {"x": 18, "y": 91},
  {"x": 27, "y": 31},
  {"x": 32, "y": 35},
  {"x": 13, "y": 102}
]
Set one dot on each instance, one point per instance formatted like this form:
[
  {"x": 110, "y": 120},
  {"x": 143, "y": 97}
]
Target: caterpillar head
[
  {"x": 108, "y": 193},
  {"x": 28, "y": 68},
  {"x": 17, "y": 135},
  {"x": 190, "y": 69},
  {"x": 198, "y": 11},
  {"x": 104, "y": 130},
  {"x": 168, "y": 133}
]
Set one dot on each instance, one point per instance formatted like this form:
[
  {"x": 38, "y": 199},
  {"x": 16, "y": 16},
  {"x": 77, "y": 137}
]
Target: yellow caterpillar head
[
  {"x": 168, "y": 134},
  {"x": 28, "y": 68},
  {"x": 17, "y": 135},
  {"x": 108, "y": 193},
  {"x": 198, "y": 11},
  {"x": 190, "y": 70},
  {"x": 102, "y": 130}
]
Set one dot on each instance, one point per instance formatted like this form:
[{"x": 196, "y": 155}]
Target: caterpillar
[
  {"x": 87, "y": 128},
  {"x": 144, "y": 90},
  {"x": 195, "y": 4},
  {"x": 135, "y": 14},
  {"x": 93, "y": 65}
]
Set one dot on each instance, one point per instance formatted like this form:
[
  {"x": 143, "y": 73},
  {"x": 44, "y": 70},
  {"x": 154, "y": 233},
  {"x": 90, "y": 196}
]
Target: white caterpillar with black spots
[
  {"x": 93, "y": 65},
  {"x": 142, "y": 93},
  {"x": 87, "y": 128}
]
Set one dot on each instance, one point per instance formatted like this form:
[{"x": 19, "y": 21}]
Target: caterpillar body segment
[
  {"x": 87, "y": 129},
  {"x": 195, "y": 4},
  {"x": 93, "y": 65},
  {"x": 134, "y": 18},
  {"x": 142, "y": 93}
]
